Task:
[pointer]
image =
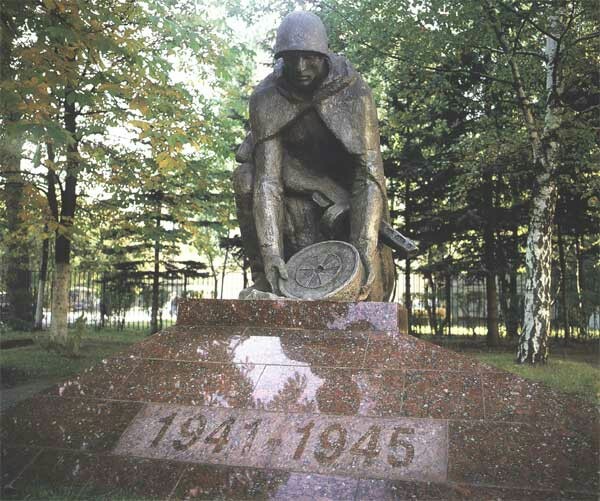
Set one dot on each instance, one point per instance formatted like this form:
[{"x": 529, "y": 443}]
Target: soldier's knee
[{"x": 243, "y": 179}]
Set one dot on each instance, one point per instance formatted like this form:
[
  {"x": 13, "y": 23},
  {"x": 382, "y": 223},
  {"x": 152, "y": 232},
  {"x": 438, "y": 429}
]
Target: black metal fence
[
  {"x": 108, "y": 300},
  {"x": 448, "y": 306}
]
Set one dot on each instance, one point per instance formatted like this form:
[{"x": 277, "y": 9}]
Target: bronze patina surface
[
  {"x": 329, "y": 270},
  {"x": 311, "y": 168}
]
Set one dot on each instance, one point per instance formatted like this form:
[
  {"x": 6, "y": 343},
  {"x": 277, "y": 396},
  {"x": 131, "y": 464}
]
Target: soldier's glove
[{"x": 274, "y": 269}]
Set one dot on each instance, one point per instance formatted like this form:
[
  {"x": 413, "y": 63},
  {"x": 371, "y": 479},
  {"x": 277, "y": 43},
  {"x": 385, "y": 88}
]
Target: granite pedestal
[{"x": 287, "y": 400}]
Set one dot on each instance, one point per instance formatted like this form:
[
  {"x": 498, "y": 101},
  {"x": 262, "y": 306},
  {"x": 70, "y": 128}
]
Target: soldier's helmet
[{"x": 301, "y": 31}]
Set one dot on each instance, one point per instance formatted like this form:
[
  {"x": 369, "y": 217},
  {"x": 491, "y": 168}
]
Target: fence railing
[{"x": 448, "y": 306}]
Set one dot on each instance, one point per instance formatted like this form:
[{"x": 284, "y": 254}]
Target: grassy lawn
[
  {"x": 572, "y": 369},
  {"x": 570, "y": 376},
  {"x": 35, "y": 362}
]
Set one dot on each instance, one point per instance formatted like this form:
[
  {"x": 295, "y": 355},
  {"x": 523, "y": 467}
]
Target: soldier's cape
[{"x": 343, "y": 101}]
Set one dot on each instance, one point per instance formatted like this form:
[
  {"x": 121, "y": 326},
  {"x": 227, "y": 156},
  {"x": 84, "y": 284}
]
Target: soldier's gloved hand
[{"x": 274, "y": 269}]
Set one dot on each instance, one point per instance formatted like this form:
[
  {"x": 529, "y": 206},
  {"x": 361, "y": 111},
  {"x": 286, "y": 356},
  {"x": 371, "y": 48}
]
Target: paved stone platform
[{"x": 288, "y": 400}]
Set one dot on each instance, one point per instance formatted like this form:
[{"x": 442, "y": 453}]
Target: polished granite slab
[
  {"x": 285, "y": 313},
  {"x": 330, "y": 408}
]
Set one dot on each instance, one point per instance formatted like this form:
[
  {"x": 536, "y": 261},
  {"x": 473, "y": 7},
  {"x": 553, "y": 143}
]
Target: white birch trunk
[
  {"x": 533, "y": 346},
  {"x": 533, "y": 342},
  {"x": 39, "y": 305},
  {"x": 60, "y": 303}
]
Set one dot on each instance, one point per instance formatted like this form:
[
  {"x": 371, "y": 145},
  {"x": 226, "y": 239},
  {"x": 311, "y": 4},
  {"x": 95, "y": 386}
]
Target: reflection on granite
[
  {"x": 486, "y": 452},
  {"x": 332, "y": 349},
  {"x": 388, "y": 350},
  {"x": 200, "y": 344},
  {"x": 191, "y": 383},
  {"x": 371, "y": 489},
  {"x": 94, "y": 476},
  {"x": 13, "y": 461},
  {"x": 382, "y": 393},
  {"x": 308, "y": 389},
  {"x": 443, "y": 395},
  {"x": 216, "y": 482},
  {"x": 92, "y": 425},
  {"x": 99, "y": 381},
  {"x": 328, "y": 315},
  {"x": 238, "y": 383},
  {"x": 321, "y": 487}
]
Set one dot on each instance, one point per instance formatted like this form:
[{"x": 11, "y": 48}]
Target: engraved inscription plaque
[{"x": 399, "y": 448}]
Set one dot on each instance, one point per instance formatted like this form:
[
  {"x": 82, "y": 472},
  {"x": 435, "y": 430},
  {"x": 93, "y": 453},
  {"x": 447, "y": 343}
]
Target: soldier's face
[{"x": 304, "y": 70}]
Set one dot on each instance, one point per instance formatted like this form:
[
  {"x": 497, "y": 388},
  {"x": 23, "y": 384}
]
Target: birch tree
[
  {"x": 522, "y": 60},
  {"x": 553, "y": 22}
]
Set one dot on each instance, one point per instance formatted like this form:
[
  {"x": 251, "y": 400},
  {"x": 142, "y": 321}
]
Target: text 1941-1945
[{"x": 399, "y": 448}]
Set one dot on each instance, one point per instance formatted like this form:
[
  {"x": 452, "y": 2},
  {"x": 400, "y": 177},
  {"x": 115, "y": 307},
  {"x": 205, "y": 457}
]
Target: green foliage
[
  {"x": 36, "y": 362},
  {"x": 161, "y": 75},
  {"x": 457, "y": 151}
]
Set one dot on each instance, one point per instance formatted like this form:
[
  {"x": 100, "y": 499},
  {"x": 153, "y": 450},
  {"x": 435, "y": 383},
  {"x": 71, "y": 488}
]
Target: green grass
[
  {"x": 570, "y": 376},
  {"x": 572, "y": 369},
  {"x": 36, "y": 362}
]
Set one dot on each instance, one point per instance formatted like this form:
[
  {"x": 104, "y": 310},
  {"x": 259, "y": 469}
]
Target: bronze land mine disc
[{"x": 326, "y": 270}]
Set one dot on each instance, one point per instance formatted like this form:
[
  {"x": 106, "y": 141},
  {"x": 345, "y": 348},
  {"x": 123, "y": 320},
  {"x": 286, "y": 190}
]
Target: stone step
[
  {"x": 326, "y": 315},
  {"x": 232, "y": 411}
]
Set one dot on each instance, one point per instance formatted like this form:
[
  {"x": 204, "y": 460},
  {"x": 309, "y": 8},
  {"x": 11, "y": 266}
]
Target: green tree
[
  {"x": 464, "y": 118},
  {"x": 16, "y": 258},
  {"x": 86, "y": 69}
]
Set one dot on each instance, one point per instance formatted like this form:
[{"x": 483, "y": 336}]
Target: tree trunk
[
  {"x": 62, "y": 251},
  {"x": 514, "y": 317},
  {"x": 581, "y": 310},
  {"x": 509, "y": 303},
  {"x": 491, "y": 295},
  {"x": 448, "y": 298},
  {"x": 244, "y": 272},
  {"x": 17, "y": 258},
  {"x": 60, "y": 290},
  {"x": 11, "y": 150},
  {"x": 39, "y": 306},
  {"x": 431, "y": 305},
  {"x": 407, "y": 285},
  {"x": 563, "y": 285},
  {"x": 533, "y": 342},
  {"x": 215, "y": 276},
  {"x": 103, "y": 302},
  {"x": 60, "y": 303},
  {"x": 224, "y": 270},
  {"x": 155, "y": 280},
  {"x": 408, "y": 295}
]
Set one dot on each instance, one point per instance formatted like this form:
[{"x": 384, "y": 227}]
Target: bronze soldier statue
[{"x": 311, "y": 167}]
